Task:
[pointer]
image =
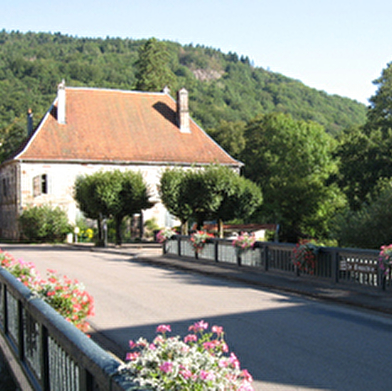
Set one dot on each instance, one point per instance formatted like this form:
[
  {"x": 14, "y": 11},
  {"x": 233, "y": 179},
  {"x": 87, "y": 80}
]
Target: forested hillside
[{"x": 221, "y": 86}]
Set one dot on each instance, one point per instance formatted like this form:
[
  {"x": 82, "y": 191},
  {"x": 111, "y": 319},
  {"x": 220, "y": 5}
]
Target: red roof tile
[{"x": 121, "y": 126}]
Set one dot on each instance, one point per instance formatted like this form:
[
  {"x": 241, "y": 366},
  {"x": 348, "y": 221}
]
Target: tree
[
  {"x": 368, "y": 227},
  {"x": 292, "y": 162},
  {"x": 230, "y": 136},
  {"x": 203, "y": 192},
  {"x": 363, "y": 159},
  {"x": 238, "y": 197},
  {"x": 380, "y": 111},
  {"x": 364, "y": 152},
  {"x": 114, "y": 194},
  {"x": 171, "y": 192},
  {"x": 132, "y": 198},
  {"x": 11, "y": 138},
  {"x": 216, "y": 192},
  {"x": 88, "y": 195},
  {"x": 153, "y": 73}
]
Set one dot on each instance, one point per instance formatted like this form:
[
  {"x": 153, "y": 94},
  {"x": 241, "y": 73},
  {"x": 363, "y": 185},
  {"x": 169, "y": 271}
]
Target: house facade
[{"x": 87, "y": 130}]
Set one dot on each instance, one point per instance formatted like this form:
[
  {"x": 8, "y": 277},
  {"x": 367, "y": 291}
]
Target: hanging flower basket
[
  {"x": 199, "y": 239},
  {"x": 242, "y": 244},
  {"x": 305, "y": 255},
  {"x": 165, "y": 234},
  {"x": 385, "y": 259}
]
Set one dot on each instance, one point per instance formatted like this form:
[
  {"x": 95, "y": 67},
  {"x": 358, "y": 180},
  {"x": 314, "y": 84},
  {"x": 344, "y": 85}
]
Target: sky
[{"x": 338, "y": 46}]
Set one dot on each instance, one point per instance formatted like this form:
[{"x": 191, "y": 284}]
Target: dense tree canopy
[
  {"x": 292, "y": 162},
  {"x": 365, "y": 152},
  {"x": 221, "y": 86},
  {"x": 276, "y": 125},
  {"x": 369, "y": 227}
]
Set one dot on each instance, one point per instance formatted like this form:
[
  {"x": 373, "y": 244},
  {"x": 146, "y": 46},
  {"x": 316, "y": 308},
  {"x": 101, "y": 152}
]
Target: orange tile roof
[{"x": 121, "y": 126}]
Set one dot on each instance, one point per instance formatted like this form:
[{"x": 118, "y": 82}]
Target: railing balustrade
[
  {"x": 341, "y": 265},
  {"x": 48, "y": 351}
]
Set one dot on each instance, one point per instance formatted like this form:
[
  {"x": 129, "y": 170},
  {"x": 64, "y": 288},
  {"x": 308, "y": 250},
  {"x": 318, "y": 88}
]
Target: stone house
[{"x": 89, "y": 129}]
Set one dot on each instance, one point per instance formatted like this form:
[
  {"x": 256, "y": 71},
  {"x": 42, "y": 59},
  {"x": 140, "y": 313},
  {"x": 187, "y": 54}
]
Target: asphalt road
[{"x": 285, "y": 341}]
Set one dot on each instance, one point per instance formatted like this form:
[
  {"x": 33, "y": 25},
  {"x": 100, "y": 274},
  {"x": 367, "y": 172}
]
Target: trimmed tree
[
  {"x": 216, "y": 192},
  {"x": 112, "y": 194},
  {"x": 171, "y": 191}
]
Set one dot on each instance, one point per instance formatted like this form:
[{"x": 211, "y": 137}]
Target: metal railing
[
  {"x": 341, "y": 265},
  {"x": 47, "y": 351}
]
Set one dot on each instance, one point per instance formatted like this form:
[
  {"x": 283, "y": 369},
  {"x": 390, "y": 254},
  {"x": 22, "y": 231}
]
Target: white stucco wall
[{"x": 60, "y": 183}]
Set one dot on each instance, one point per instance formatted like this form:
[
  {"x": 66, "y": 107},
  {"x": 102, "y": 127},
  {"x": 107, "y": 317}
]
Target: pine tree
[{"x": 153, "y": 69}]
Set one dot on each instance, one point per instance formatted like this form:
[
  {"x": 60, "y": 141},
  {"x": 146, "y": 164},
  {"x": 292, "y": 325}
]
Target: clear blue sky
[{"x": 339, "y": 46}]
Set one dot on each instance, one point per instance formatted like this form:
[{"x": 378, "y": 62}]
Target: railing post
[
  {"x": 86, "y": 380},
  {"x": 216, "y": 250},
  {"x": 239, "y": 258},
  {"x": 5, "y": 293},
  {"x": 44, "y": 359},
  {"x": 20, "y": 331},
  {"x": 382, "y": 279},
  {"x": 179, "y": 245},
  {"x": 335, "y": 265},
  {"x": 164, "y": 248}
]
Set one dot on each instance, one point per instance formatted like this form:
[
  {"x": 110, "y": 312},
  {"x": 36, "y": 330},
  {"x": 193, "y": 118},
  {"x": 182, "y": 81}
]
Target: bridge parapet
[{"x": 45, "y": 352}]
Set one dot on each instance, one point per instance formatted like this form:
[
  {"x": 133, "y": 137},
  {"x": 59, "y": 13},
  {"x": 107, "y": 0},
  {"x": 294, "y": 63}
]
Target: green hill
[{"x": 221, "y": 86}]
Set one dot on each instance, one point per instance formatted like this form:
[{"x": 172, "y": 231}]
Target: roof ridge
[{"x": 116, "y": 90}]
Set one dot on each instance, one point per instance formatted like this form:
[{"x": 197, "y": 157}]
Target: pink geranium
[
  {"x": 197, "y": 362},
  {"x": 163, "y": 328}
]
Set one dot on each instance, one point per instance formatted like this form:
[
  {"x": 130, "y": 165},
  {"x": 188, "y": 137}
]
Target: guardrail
[
  {"x": 45, "y": 352},
  {"x": 341, "y": 265}
]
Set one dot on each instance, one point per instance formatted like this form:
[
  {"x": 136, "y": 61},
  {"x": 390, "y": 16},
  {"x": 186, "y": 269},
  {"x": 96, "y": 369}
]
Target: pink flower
[
  {"x": 163, "y": 328},
  {"x": 210, "y": 345},
  {"x": 166, "y": 367},
  {"x": 132, "y": 356},
  {"x": 223, "y": 363},
  {"x": 186, "y": 373},
  {"x": 246, "y": 375},
  {"x": 159, "y": 340},
  {"x": 224, "y": 347},
  {"x": 198, "y": 326},
  {"x": 190, "y": 338},
  {"x": 204, "y": 375},
  {"x": 217, "y": 329},
  {"x": 233, "y": 360}
]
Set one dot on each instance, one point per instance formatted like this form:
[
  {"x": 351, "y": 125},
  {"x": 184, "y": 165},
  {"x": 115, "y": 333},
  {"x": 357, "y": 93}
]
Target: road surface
[{"x": 285, "y": 341}]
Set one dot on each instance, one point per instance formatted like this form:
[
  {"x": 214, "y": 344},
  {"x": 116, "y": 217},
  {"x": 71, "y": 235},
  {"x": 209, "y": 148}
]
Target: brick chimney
[
  {"x": 183, "y": 111},
  {"x": 29, "y": 122},
  {"x": 61, "y": 103}
]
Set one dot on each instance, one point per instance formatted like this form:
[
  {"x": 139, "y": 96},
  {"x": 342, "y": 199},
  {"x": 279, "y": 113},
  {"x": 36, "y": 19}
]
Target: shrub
[{"x": 44, "y": 224}]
